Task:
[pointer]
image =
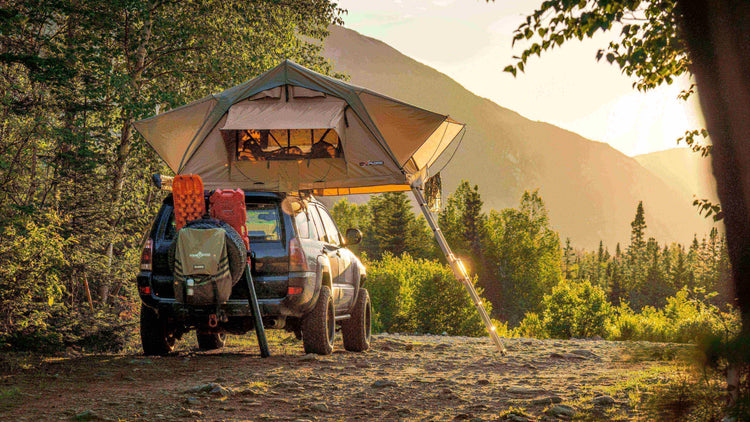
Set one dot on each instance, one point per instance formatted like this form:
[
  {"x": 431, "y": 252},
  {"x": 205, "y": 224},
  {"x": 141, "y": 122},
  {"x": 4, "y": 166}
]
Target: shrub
[
  {"x": 576, "y": 310},
  {"x": 531, "y": 326},
  {"x": 418, "y": 295}
]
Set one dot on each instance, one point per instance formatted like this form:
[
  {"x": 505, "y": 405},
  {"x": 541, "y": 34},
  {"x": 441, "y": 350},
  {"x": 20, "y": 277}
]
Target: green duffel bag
[{"x": 201, "y": 267}]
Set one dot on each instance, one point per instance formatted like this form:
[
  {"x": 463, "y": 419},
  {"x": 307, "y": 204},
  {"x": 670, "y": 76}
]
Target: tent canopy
[{"x": 292, "y": 129}]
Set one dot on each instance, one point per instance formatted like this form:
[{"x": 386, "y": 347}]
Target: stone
[
  {"x": 546, "y": 401},
  {"x": 220, "y": 391},
  {"x": 523, "y": 390},
  {"x": 603, "y": 401},
  {"x": 320, "y": 407},
  {"x": 87, "y": 415},
  {"x": 566, "y": 356},
  {"x": 190, "y": 412},
  {"x": 310, "y": 357},
  {"x": 383, "y": 384},
  {"x": 192, "y": 400},
  {"x": 202, "y": 388},
  {"x": 561, "y": 410},
  {"x": 483, "y": 382}
]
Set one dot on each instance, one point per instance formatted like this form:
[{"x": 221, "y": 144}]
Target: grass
[{"x": 9, "y": 398}]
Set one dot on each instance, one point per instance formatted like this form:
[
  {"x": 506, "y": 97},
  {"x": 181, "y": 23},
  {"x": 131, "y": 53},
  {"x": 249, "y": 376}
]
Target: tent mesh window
[{"x": 286, "y": 144}]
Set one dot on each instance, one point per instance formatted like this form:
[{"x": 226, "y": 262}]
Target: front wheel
[
  {"x": 319, "y": 326},
  {"x": 156, "y": 337},
  {"x": 211, "y": 341},
  {"x": 357, "y": 329}
]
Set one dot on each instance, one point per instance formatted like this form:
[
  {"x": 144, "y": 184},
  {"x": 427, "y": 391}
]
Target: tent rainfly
[{"x": 293, "y": 130}]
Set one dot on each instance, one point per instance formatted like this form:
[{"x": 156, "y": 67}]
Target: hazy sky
[{"x": 470, "y": 41}]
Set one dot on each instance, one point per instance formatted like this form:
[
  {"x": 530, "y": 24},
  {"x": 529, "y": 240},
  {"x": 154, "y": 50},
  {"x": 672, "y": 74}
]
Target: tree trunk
[{"x": 718, "y": 39}]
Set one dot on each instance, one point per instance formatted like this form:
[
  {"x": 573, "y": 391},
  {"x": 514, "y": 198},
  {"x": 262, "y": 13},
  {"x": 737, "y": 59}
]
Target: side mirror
[{"x": 353, "y": 237}]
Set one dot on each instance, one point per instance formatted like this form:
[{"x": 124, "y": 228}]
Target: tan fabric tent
[{"x": 292, "y": 129}]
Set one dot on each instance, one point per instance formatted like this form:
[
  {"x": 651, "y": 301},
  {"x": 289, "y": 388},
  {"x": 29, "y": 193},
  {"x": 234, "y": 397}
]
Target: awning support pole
[{"x": 458, "y": 269}]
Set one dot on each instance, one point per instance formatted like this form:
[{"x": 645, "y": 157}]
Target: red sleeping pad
[
  {"x": 189, "y": 202},
  {"x": 229, "y": 206}
]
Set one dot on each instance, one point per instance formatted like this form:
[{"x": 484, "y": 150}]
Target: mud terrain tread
[
  {"x": 155, "y": 338},
  {"x": 315, "y": 336},
  {"x": 356, "y": 330},
  {"x": 211, "y": 341}
]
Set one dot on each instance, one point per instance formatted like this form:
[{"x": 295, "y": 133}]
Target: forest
[
  {"x": 76, "y": 196},
  {"x": 535, "y": 285}
]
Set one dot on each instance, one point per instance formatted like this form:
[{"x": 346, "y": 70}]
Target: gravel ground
[{"x": 402, "y": 377}]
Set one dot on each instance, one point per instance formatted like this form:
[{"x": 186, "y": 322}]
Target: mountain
[
  {"x": 683, "y": 169},
  {"x": 591, "y": 190}
]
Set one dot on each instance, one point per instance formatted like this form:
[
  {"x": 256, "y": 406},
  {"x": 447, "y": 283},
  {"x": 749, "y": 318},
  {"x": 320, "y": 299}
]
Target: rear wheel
[
  {"x": 319, "y": 326},
  {"x": 356, "y": 330},
  {"x": 211, "y": 341},
  {"x": 156, "y": 337}
]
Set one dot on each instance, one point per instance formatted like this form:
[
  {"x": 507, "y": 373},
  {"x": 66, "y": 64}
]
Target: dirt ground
[{"x": 419, "y": 378}]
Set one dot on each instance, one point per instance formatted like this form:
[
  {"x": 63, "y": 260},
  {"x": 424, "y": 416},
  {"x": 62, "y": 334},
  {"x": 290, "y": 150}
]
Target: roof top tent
[{"x": 295, "y": 130}]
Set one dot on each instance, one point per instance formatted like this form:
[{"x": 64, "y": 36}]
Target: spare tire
[{"x": 236, "y": 252}]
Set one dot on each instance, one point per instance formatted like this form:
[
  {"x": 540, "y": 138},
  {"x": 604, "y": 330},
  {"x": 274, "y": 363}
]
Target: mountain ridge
[{"x": 591, "y": 190}]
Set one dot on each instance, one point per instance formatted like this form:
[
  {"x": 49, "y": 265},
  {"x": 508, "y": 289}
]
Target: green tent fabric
[{"x": 293, "y": 129}]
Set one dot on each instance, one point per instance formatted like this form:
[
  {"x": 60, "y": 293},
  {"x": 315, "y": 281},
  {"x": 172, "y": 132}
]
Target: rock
[
  {"x": 190, "y": 413},
  {"x": 515, "y": 417},
  {"x": 561, "y": 411},
  {"x": 483, "y": 381},
  {"x": 585, "y": 353},
  {"x": 192, "y": 400},
  {"x": 320, "y": 407},
  {"x": 220, "y": 391},
  {"x": 546, "y": 401},
  {"x": 141, "y": 361},
  {"x": 310, "y": 357},
  {"x": 523, "y": 390},
  {"x": 363, "y": 364},
  {"x": 202, "y": 388},
  {"x": 445, "y": 333},
  {"x": 88, "y": 415},
  {"x": 530, "y": 366},
  {"x": 463, "y": 417},
  {"x": 383, "y": 384},
  {"x": 603, "y": 401},
  {"x": 286, "y": 385},
  {"x": 566, "y": 356}
]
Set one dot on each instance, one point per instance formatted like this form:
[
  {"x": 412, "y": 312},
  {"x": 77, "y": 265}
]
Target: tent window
[{"x": 287, "y": 144}]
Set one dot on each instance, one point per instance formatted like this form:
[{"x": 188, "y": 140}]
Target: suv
[{"x": 306, "y": 281}]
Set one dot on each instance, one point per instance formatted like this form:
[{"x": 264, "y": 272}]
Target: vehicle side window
[
  {"x": 318, "y": 232},
  {"x": 333, "y": 234},
  {"x": 303, "y": 225}
]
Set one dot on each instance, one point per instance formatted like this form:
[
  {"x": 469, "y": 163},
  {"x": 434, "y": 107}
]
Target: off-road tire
[
  {"x": 156, "y": 337},
  {"x": 211, "y": 341},
  {"x": 319, "y": 326},
  {"x": 356, "y": 330},
  {"x": 236, "y": 252}
]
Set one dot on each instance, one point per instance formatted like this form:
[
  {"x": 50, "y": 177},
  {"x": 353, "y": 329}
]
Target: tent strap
[{"x": 459, "y": 271}]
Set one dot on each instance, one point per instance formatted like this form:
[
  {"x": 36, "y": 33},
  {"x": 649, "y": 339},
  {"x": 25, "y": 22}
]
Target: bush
[
  {"x": 687, "y": 317},
  {"x": 418, "y": 295},
  {"x": 531, "y": 326},
  {"x": 576, "y": 310}
]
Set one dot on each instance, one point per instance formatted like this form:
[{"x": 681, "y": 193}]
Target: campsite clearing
[{"x": 401, "y": 378}]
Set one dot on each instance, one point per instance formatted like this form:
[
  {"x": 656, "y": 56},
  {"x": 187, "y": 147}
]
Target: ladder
[{"x": 458, "y": 268}]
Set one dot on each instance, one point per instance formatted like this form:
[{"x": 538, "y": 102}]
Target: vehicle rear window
[{"x": 263, "y": 223}]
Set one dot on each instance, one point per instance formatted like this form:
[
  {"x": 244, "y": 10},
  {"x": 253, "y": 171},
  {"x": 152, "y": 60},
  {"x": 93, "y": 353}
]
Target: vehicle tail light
[
  {"x": 294, "y": 290},
  {"x": 144, "y": 290},
  {"x": 147, "y": 255},
  {"x": 297, "y": 259}
]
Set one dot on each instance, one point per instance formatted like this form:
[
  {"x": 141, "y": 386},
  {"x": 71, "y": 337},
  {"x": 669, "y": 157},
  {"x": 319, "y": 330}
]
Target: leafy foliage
[
  {"x": 74, "y": 176},
  {"x": 648, "y": 47},
  {"x": 418, "y": 295},
  {"x": 576, "y": 310}
]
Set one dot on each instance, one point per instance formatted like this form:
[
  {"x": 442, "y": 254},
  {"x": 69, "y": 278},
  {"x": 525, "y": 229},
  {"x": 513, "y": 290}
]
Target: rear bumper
[{"x": 157, "y": 292}]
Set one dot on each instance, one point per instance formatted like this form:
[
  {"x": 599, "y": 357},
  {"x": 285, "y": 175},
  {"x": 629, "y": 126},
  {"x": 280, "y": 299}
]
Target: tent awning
[{"x": 380, "y": 144}]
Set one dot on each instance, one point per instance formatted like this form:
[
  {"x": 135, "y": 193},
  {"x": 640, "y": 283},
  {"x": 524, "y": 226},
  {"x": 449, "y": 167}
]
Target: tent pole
[{"x": 458, "y": 269}]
